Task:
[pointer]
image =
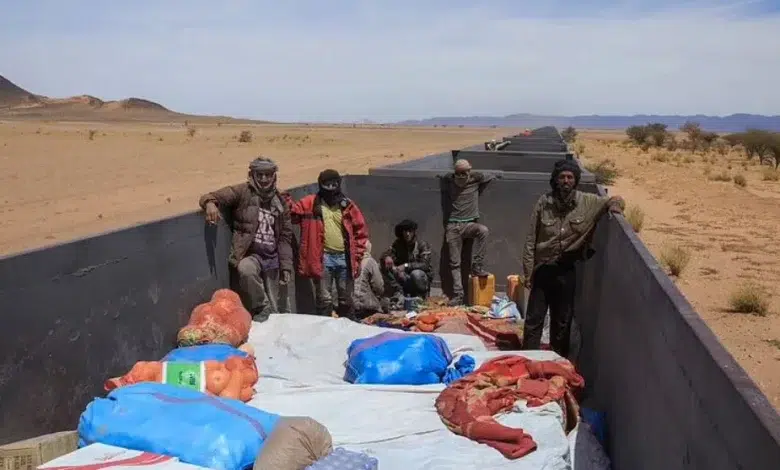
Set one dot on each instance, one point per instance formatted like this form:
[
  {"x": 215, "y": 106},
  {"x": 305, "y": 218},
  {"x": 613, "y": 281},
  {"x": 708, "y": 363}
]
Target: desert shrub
[
  {"x": 605, "y": 171},
  {"x": 638, "y": 134},
  {"x": 569, "y": 134},
  {"x": 657, "y": 133},
  {"x": 635, "y": 216},
  {"x": 91, "y": 134},
  {"x": 770, "y": 174},
  {"x": 245, "y": 136},
  {"x": 740, "y": 181},
  {"x": 749, "y": 298},
  {"x": 722, "y": 176},
  {"x": 675, "y": 258},
  {"x": 721, "y": 147},
  {"x": 191, "y": 131},
  {"x": 688, "y": 159},
  {"x": 580, "y": 149},
  {"x": 662, "y": 157}
]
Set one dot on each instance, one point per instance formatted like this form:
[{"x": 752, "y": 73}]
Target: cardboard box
[
  {"x": 30, "y": 453},
  {"x": 102, "y": 456}
]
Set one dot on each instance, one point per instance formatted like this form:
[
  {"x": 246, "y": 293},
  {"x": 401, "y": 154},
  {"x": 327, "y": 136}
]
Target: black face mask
[{"x": 330, "y": 192}]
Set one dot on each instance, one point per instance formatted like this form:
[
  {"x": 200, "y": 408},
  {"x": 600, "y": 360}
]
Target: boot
[
  {"x": 479, "y": 271},
  {"x": 456, "y": 301}
]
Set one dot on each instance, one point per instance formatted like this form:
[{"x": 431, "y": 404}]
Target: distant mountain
[
  {"x": 732, "y": 123},
  {"x": 18, "y": 103}
]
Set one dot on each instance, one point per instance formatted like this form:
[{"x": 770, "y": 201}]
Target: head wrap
[
  {"x": 262, "y": 164},
  {"x": 332, "y": 197},
  {"x": 462, "y": 165},
  {"x": 404, "y": 225},
  {"x": 329, "y": 175},
  {"x": 565, "y": 165}
]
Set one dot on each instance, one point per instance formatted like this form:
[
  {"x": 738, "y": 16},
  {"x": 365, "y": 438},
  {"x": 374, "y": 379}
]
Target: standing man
[
  {"x": 261, "y": 250},
  {"x": 407, "y": 263},
  {"x": 461, "y": 190},
  {"x": 561, "y": 225},
  {"x": 333, "y": 241}
]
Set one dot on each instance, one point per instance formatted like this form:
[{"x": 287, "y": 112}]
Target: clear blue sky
[{"x": 388, "y": 60}]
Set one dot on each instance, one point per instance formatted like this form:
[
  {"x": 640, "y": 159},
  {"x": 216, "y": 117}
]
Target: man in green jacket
[
  {"x": 261, "y": 250},
  {"x": 561, "y": 225}
]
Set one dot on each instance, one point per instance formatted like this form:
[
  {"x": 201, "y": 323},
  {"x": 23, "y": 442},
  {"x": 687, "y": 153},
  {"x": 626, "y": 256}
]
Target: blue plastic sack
[
  {"x": 199, "y": 429},
  {"x": 205, "y": 352},
  {"x": 397, "y": 359},
  {"x": 597, "y": 420},
  {"x": 464, "y": 366}
]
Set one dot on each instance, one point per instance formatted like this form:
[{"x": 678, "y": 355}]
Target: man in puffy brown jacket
[{"x": 261, "y": 251}]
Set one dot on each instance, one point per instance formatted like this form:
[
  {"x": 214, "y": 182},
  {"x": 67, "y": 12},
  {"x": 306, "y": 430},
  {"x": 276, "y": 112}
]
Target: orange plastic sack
[
  {"x": 233, "y": 378},
  {"x": 221, "y": 320}
]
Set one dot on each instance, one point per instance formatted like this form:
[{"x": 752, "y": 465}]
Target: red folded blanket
[{"x": 468, "y": 405}]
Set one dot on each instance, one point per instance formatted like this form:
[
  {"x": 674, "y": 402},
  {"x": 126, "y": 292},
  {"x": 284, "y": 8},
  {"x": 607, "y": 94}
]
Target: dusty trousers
[
  {"x": 552, "y": 286},
  {"x": 260, "y": 289},
  {"x": 454, "y": 234},
  {"x": 335, "y": 270}
]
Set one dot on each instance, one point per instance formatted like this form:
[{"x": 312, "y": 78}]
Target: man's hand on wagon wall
[
  {"x": 212, "y": 213},
  {"x": 615, "y": 205}
]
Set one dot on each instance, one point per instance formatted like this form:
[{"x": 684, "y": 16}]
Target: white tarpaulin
[{"x": 301, "y": 363}]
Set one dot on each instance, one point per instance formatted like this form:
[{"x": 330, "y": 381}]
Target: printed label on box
[{"x": 190, "y": 375}]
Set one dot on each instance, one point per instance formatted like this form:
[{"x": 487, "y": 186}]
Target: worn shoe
[
  {"x": 455, "y": 301},
  {"x": 479, "y": 272}
]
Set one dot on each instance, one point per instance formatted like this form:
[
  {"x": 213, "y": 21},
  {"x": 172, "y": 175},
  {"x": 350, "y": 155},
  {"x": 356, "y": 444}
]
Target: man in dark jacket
[
  {"x": 461, "y": 190},
  {"x": 561, "y": 225},
  {"x": 261, "y": 251},
  {"x": 333, "y": 241},
  {"x": 407, "y": 263}
]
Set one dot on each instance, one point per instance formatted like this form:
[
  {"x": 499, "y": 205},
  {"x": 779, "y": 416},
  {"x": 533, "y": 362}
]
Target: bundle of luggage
[{"x": 154, "y": 414}]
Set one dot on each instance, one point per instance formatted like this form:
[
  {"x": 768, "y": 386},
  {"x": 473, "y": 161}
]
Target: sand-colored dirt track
[{"x": 57, "y": 184}]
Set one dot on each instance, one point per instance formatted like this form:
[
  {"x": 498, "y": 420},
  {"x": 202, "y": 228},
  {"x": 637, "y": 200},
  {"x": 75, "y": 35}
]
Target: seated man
[
  {"x": 407, "y": 263},
  {"x": 369, "y": 286},
  {"x": 262, "y": 237}
]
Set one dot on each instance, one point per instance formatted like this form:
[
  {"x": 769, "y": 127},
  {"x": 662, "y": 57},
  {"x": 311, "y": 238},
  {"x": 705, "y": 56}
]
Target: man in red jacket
[{"x": 333, "y": 241}]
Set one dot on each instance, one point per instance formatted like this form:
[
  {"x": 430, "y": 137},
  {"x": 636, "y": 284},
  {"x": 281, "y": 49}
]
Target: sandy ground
[
  {"x": 56, "y": 184},
  {"x": 730, "y": 231}
]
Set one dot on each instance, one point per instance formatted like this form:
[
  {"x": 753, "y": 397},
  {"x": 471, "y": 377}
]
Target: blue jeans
[{"x": 335, "y": 268}]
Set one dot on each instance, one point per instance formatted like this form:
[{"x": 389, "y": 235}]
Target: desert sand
[
  {"x": 729, "y": 231},
  {"x": 57, "y": 183}
]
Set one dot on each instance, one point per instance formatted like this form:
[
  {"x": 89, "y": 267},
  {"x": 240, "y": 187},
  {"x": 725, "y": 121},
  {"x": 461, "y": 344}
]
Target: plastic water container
[
  {"x": 482, "y": 290},
  {"x": 342, "y": 459}
]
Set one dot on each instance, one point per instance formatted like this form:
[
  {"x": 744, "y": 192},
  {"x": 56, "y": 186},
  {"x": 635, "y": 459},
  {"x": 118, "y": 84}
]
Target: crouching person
[
  {"x": 561, "y": 226},
  {"x": 369, "y": 286},
  {"x": 407, "y": 264},
  {"x": 261, "y": 249},
  {"x": 333, "y": 241}
]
